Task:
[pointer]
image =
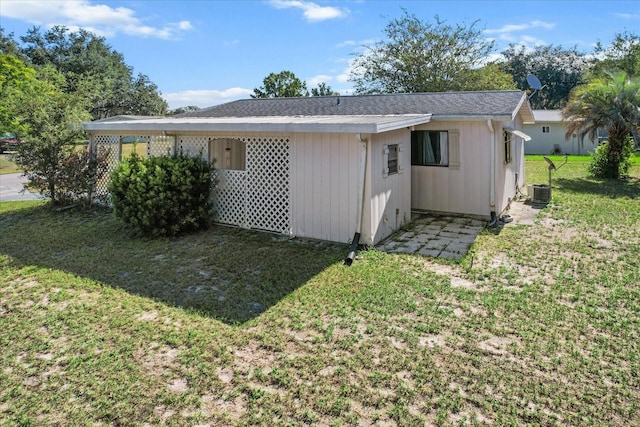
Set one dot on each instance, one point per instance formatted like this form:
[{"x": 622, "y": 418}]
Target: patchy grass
[{"x": 539, "y": 325}]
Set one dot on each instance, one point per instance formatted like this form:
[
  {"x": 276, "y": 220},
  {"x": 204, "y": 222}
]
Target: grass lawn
[
  {"x": 538, "y": 325},
  {"x": 7, "y": 166}
]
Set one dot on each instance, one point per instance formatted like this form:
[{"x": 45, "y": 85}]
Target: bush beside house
[{"x": 163, "y": 196}]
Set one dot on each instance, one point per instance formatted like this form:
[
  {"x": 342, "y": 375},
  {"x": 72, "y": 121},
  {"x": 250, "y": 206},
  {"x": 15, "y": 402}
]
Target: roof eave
[
  {"x": 373, "y": 127},
  {"x": 467, "y": 117},
  {"x": 524, "y": 109}
]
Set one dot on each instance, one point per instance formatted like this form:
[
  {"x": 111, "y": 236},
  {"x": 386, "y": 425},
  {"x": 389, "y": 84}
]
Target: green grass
[
  {"x": 7, "y": 166},
  {"x": 539, "y": 325}
]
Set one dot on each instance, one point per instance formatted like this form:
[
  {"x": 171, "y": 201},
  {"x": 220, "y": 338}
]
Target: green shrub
[
  {"x": 607, "y": 163},
  {"x": 162, "y": 196},
  {"x": 61, "y": 172},
  {"x": 79, "y": 175}
]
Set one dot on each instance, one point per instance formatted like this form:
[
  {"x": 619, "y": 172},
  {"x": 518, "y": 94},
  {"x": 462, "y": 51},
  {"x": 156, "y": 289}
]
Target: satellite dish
[
  {"x": 534, "y": 82},
  {"x": 551, "y": 165}
]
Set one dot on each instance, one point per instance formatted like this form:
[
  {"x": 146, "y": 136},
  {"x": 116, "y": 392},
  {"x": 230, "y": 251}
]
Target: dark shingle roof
[{"x": 483, "y": 103}]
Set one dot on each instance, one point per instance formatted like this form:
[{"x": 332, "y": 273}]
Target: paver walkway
[
  {"x": 449, "y": 236},
  {"x": 435, "y": 236}
]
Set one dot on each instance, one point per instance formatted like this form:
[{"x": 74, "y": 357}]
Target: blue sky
[{"x": 207, "y": 52}]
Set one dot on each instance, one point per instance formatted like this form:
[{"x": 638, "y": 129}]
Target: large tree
[
  {"x": 93, "y": 70},
  {"x": 16, "y": 81},
  {"x": 611, "y": 103},
  {"x": 558, "y": 69},
  {"x": 419, "y": 56},
  {"x": 50, "y": 118},
  {"x": 284, "y": 84},
  {"x": 622, "y": 55}
]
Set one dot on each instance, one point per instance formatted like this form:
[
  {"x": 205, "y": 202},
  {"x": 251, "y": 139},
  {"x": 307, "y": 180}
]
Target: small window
[
  {"x": 228, "y": 153},
  {"x": 507, "y": 147},
  {"x": 545, "y": 129},
  {"x": 429, "y": 148},
  {"x": 392, "y": 159}
]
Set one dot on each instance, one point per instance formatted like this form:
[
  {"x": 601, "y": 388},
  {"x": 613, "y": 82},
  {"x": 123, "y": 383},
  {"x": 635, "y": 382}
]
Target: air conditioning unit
[{"x": 539, "y": 193}]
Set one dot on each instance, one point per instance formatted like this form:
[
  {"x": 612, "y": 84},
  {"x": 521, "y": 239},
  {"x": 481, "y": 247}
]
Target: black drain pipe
[
  {"x": 352, "y": 249},
  {"x": 363, "y": 170}
]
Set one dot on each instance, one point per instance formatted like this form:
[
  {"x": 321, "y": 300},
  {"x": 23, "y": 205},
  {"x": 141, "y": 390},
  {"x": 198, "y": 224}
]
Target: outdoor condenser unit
[{"x": 539, "y": 193}]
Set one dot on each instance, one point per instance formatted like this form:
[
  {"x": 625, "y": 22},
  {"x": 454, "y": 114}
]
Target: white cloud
[
  {"x": 314, "y": 81},
  {"x": 98, "y": 18},
  {"x": 510, "y": 28},
  {"x": 311, "y": 11},
  {"x": 627, "y": 15},
  {"x": 512, "y": 33},
  {"x": 205, "y": 97},
  {"x": 360, "y": 44}
]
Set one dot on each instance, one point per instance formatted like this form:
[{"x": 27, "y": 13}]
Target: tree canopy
[
  {"x": 420, "y": 56},
  {"x": 622, "y": 55},
  {"x": 323, "y": 90},
  {"x": 16, "y": 80},
  {"x": 91, "y": 69},
  {"x": 558, "y": 69},
  {"x": 284, "y": 84}
]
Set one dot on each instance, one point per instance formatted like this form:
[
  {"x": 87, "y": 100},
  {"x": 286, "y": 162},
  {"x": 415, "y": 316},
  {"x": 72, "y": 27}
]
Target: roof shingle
[{"x": 482, "y": 103}]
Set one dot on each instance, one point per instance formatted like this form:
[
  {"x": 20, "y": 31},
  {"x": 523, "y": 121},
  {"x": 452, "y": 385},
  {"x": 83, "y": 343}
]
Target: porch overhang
[
  {"x": 518, "y": 133},
  {"x": 305, "y": 124}
]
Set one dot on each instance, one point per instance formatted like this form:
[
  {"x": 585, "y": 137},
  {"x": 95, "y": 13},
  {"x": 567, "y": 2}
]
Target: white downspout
[
  {"x": 492, "y": 174},
  {"x": 360, "y": 206}
]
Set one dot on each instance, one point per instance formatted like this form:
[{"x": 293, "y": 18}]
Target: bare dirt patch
[{"x": 497, "y": 346}]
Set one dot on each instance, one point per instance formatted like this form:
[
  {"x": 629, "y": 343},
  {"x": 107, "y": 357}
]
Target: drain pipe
[
  {"x": 492, "y": 174},
  {"x": 363, "y": 170}
]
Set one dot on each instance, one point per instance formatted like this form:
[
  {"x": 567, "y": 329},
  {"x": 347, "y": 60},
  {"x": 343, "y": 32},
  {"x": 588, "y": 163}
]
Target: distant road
[{"x": 11, "y": 186}]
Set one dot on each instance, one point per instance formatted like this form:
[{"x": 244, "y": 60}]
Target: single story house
[
  {"x": 548, "y": 136},
  {"x": 326, "y": 167}
]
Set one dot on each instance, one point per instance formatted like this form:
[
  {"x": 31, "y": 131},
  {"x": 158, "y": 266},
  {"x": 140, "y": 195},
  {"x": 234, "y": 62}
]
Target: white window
[
  {"x": 228, "y": 153},
  {"x": 545, "y": 129},
  {"x": 392, "y": 159},
  {"x": 507, "y": 147}
]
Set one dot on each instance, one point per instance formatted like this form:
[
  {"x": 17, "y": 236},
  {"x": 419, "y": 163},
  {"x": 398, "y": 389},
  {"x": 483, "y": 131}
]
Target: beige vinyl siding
[
  {"x": 506, "y": 172},
  {"x": 324, "y": 185},
  {"x": 392, "y": 191},
  {"x": 463, "y": 186}
]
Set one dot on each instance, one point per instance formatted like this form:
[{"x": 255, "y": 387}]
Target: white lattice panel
[
  {"x": 160, "y": 146},
  {"x": 268, "y": 194},
  {"x": 108, "y": 145},
  {"x": 230, "y": 196},
  {"x": 194, "y": 146}
]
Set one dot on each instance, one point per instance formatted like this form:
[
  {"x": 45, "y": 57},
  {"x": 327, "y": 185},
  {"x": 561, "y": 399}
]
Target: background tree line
[{"x": 89, "y": 68}]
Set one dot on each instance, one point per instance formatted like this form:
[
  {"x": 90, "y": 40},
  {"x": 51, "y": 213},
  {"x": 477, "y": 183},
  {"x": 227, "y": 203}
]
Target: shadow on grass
[
  {"x": 226, "y": 273},
  {"x": 629, "y": 187}
]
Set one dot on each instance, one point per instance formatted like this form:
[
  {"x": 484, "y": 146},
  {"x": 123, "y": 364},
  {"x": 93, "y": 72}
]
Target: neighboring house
[
  {"x": 548, "y": 136},
  {"x": 323, "y": 167}
]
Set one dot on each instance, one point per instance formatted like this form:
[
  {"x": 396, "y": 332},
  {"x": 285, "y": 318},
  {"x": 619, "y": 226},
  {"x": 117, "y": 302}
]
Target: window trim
[{"x": 387, "y": 158}]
